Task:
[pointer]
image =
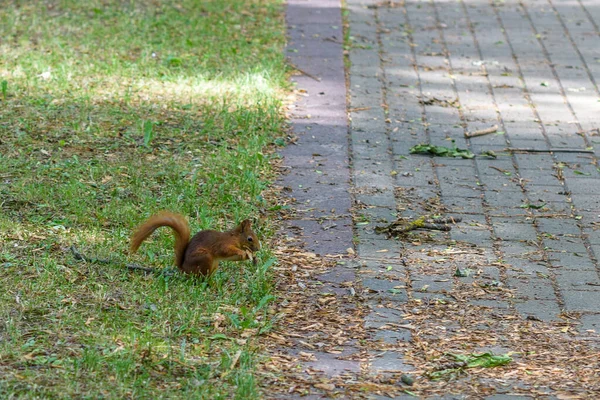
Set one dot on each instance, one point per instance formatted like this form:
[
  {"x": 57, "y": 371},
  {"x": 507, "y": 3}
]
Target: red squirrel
[{"x": 201, "y": 254}]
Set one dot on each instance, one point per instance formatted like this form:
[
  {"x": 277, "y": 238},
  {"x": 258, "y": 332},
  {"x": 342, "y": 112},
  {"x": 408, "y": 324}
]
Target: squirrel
[{"x": 201, "y": 254}]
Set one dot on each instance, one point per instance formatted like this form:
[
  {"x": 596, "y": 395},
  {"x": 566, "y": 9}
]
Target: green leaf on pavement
[{"x": 441, "y": 151}]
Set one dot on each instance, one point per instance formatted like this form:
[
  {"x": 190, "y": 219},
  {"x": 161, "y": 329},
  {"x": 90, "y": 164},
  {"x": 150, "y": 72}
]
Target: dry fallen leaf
[{"x": 325, "y": 386}]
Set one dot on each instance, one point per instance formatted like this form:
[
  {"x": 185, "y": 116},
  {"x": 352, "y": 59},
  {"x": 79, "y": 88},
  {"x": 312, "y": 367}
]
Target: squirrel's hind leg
[{"x": 199, "y": 264}]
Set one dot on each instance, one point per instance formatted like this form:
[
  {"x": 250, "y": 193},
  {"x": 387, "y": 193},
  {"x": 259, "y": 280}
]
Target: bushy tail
[{"x": 164, "y": 218}]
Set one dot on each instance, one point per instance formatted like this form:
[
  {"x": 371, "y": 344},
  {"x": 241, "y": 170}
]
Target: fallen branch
[
  {"x": 482, "y": 132},
  {"x": 359, "y": 109},
  {"x": 304, "y": 72},
  {"x": 404, "y": 225},
  {"x": 554, "y": 150},
  {"x": 504, "y": 171},
  {"x": 135, "y": 267},
  {"x": 80, "y": 257}
]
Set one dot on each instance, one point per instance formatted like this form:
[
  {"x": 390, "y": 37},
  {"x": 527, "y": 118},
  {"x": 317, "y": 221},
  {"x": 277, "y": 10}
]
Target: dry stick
[
  {"x": 359, "y": 109},
  {"x": 81, "y": 257},
  {"x": 590, "y": 131},
  {"x": 481, "y": 132},
  {"x": 499, "y": 169},
  {"x": 525, "y": 150},
  {"x": 400, "y": 227},
  {"x": 304, "y": 72},
  {"x": 333, "y": 40}
]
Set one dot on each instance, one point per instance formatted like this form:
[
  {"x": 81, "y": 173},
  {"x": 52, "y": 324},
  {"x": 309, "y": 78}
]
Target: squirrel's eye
[{"x": 250, "y": 238}]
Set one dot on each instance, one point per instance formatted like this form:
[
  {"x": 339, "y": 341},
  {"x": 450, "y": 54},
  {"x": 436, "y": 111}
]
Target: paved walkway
[{"x": 429, "y": 72}]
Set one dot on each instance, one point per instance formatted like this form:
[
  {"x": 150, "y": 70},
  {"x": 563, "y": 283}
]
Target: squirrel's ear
[{"x": 246, "y": 225}]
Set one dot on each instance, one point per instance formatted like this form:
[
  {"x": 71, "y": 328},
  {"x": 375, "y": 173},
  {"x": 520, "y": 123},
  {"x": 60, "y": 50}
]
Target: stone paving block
[
  {"x": 376, "y": 198},
  {"x": 535, "y": 177},
  {"x": 462, "y": 204},
  {"x": 478, "y": 238},
  {"x": 518, "y": 249},
  {"x": 580, "y": 300},
  {"x": 372, "y": 180},
  {"x": 577, "y": 280},
  {"x": 432, "y": 298},
  {"x": 546, "y": 193},
  {"x": 370, "y": 153},
  {"x": 491, "y": 166},
  {"x": 593, "y": 236},
  {"x": 385, "y": 314},
  {"x": 558, "y": 226},
  {"x": 554, "y": 207},
  {"x": 338, "y": 275},
  {"x": 391, "y": 361},
  {"x": 374, "y": 168},
  {"x": 390, "y": 336},
  {"x": 595, "y": 250},
  {"x": 383, "y": 289},
  {"x": 376, "y": 216},
  {"x": 544, "y": 310},
  {"x": 571, "y": 261},
  {"x": 584, "y": 186},
  {"x": 513, "y": 229},
  {"x": 402, "y": 147},
  {"x": 499, "y": 182},
  {"x": 410, "y": 178},
  {"x": 532, "y": 288},
  {"x": 432, "y": 283},
  {"x": 379, "y": 248},
  {"x": 332, "y": 365},
  {"x": 462, "y": 174},
  {"x": 534, "y": 161},
  {"x": 523, "y": 267},
  {"x": 586, "y": 202},
  {"x": 459, "y": 190},
  {"x": 507, "y": 212},
  {"x": 528, "y": 143},
  {"x": 489, "y": 275},
  {"x": 579, "y": 170},
  {"x": 590, "y": 322},
  {"x": 567, "y": 244},
  {"x": 323, "y": 241},
  {"x": 366, "y": 123},
  {"x": 504, "y": 199}
]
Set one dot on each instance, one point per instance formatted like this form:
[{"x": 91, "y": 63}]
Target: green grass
[{"x": 109, "y": 112}]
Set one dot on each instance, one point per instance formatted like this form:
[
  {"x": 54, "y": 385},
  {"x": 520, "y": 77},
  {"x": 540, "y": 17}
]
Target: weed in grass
[{"x": 116, "y": 110}]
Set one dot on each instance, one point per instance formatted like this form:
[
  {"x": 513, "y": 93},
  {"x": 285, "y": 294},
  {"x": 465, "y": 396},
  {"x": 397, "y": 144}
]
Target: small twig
[
  {"x": 330, "y": 39},
  {"x": 81, "y": 257},
  {"x": 592, "y": 132},
  {"x": 359, "y": 109},
  {"x": 326, "y": 228},
  {"x": 435, "y": 227},
  {"x": 304, "y": 72},
  {"x": 445, "y": 220},
  {"x": 402, "y": 226},
  {"x": 481, "y": 132},
  {"x": 499, "y": 169},
  {"x": 148, "y": 270},
  {"x": 554, "y": 150}
]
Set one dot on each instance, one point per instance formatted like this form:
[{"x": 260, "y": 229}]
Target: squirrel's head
[{"x": 248, "y": 237}]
